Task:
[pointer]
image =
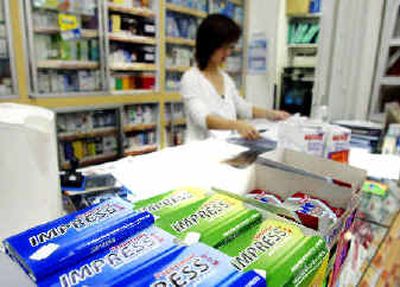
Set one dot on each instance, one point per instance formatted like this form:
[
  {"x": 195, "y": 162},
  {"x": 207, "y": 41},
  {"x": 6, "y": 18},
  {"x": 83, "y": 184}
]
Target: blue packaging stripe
[
  {"x": 53, "y": 246},
  {"x": 196, "y": 265},
  {"x": 118, "y": 264}
]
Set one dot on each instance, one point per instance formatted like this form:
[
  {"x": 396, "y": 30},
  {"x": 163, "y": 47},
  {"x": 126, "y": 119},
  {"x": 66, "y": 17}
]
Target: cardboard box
[
  {"x": 315, "y": 167},
  {"x": 297, "y": 7},
  {"x": 285, "y": 182}
]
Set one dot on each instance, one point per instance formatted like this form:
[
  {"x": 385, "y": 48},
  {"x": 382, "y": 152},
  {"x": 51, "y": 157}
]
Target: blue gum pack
[
  {"x": 154, "y": 258},
  {"x": 56, "y": 245}
]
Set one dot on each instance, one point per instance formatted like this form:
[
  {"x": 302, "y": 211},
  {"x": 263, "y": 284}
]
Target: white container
[{"x": 29, "y": 182}]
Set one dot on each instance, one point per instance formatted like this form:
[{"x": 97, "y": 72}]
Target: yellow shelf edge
[
  {"x": 133, "y": 67},
  {"x": 67, "y": 65},
  {"x": 185, "y": 10},
  {"x": 180, "y": 41},
  {"x": 120, "y": 37},
  {"x": 144, "y": 12}
]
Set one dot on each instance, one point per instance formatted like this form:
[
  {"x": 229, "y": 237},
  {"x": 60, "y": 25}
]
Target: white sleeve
[
  {"x": 243, "y": 108},
  {"x": 193, "y": 99}
]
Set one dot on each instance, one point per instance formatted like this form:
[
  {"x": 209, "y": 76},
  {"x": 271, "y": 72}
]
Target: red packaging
[
  {"x": 265, "y": 197},
  {"x": 313, "y": 212}
]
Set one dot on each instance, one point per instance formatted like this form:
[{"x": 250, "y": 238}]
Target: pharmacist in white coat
[{"x": 211, "y": 99}]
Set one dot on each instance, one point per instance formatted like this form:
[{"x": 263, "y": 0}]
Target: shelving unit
[
  {"x": 180, "y": 43},
  {"x": 64, "y": 47},
  {"x": 91, "y": 136},
  {"x": 175, "y": 123},
  {"x": 62, "y": 78},
  {"x": 386, "y": 86},
  {"x": 298, "y": 72},
  {"x": 132, "y": 46},
  {"x": 8, "y": 85},
  {"x": 140, "y": 128}
]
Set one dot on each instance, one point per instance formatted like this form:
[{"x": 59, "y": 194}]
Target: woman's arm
[
  {"x": 272, "y": 115},
  {"x": 243, "y": 128}
]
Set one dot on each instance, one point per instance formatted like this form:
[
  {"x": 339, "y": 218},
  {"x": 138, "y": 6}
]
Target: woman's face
[{"x": 220, "y": 55}]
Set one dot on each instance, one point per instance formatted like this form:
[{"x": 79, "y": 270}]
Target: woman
[{"x": 209, "y": 94}]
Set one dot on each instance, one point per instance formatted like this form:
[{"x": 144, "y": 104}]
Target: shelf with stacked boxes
[
  {"x": 132, "y": 46},
  {"x": 196, "y": 12},
  {"x": 175, "y": 123},
  {"x": 64, "y": 45},
  {"x": 140, "y": 128},
  {"x": 90, "y": 136},
  {"x": 8, "y": 86},
  {"x": 181, "y": 24}
]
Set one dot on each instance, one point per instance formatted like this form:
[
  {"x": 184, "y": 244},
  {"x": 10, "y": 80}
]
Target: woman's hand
[
  {"x": 246, "y": 130},
  {"x": 278, "y": 115}
]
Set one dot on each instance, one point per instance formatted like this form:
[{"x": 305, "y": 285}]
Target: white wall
[{"x": 263, "y": 17}]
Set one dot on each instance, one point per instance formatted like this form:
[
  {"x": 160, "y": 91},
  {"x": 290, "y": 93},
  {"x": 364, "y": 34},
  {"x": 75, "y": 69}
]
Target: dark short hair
[{"x": 215, "y": 31}]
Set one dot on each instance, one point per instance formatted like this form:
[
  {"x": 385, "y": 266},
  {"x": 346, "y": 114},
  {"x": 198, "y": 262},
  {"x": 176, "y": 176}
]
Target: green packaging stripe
[
  {"x": 279, "y": 248},
  {"x": 168, "y": 202},
  {"x": 218, "y": 219}
]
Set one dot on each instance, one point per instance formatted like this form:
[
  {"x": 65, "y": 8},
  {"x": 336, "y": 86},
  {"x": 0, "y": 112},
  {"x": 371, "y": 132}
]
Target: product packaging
[
  {"x": 279, "y": 248},
  {"x": 154, "y": 258},
  {"x": 217, "y": 219},
  {"x": 46, "y": 248}
]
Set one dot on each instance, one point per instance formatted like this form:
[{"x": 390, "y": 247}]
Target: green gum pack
[
  {"x": 217, "y": 218},
  {"x": 281, "y": 249}
]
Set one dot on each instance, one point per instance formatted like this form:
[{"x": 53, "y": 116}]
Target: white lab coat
[{"x": 201, "y": 99}]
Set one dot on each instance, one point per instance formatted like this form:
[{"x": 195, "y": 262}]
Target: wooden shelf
[
  {"x": 70, "y": 136},
  {"x": 68, "y": 65},
  {"x": 180, "y": 69},
  {"x": 237, "y": 2},
  {"x": 85, "y": 33},
  {"x": 305, "y": 16},
  {"x": 177, "y": 122},
  {"x": 140, "y": 150},
  {"x": 180, "y": 41},
  {"x": 173, "y": 97},
  {"x": 139, "y": 127},
  {"x": 143, "y": 12},
  {"x": 391, "y": 81},
  {"x": 133, "y": 67},
  {"x": 96, "y": 159},
  {"x": 123, "y": 37},
  {"x": 185, "y": 10},
  {"x": 302, "y": 46}
]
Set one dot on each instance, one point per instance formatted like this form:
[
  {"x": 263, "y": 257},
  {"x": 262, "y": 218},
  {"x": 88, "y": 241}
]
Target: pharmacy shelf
[
  {"x": 302, "y": 46},
  {"x": 176, "y": 122},
  {"x": 97, "y": 159},
  {"x": 123, "y": 37},
  {"x": 237, "y": 2},
  {"x": 185, "y": 10},
  {"x": 70, "y": 136},
  {"x": 391, "y": 81},
  {"x": 172, "y": 97},
  {"x": 305, "y": 16},
  {"x": 67, "y": 65},
  {"x": 85, "y": 33},
  {"x": 180, "y": 41},
  {"x": 133, "y": 67},
  {"x": 140, "y": 150},
  {"x": 139, "y": 127},
  {"x": 137, "y": 11},
  {"x": 57, "y": 10},
  {"x": 180, "y": 69}
]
